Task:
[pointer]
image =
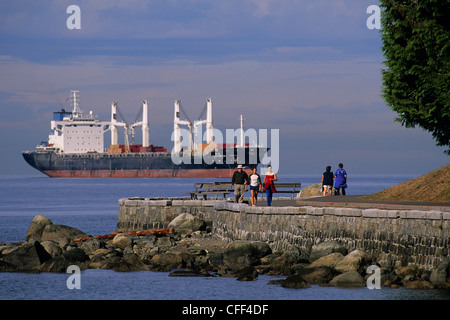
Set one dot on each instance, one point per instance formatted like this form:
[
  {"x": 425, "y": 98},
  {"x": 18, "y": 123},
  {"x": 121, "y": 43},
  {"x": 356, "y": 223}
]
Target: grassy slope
[{"x": 432, "y": 187}]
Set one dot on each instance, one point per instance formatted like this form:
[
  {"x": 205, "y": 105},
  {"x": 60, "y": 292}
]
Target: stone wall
[{"x": 402, "y": 236}]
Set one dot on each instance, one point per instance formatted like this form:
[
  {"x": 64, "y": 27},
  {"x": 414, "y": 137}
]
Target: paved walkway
[{"x": 355, "y": 201}]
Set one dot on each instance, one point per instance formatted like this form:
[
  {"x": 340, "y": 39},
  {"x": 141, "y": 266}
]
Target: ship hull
[
  {"x": 135, "y": 165},
  {"x": 155, "y": 173}
]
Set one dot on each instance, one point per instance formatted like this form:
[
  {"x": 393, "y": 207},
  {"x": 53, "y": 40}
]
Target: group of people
[
  {"x": 339, "y": 184},
  {"x": 241, "y": 179}
]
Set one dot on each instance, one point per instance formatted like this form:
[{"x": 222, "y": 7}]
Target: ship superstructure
[{"x": 74, "y": 132}]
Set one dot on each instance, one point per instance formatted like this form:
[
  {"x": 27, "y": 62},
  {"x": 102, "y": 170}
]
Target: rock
[
  {"x": 326, "y": 248},
  {"x": 330, "y": 260},
  {"x": 294, "y": 282},
  {"x": 319, "y": 275},
  {"x": 9, "y": 247},
  {"x": 187, "y": 221},
  {"x": 130, "y": 262},
  {"x": 7, "y": 267},
  {"x": 441, "y": 273},
  {"x": 27, "y": 257},
  {"x": 61, "y": 234},
  {"x": 144, "y": 250},
  {"x": 122, "y": 241},
  {"x": 404, "y": 272},
  {"x": 248, "y": 273},
  {"x": 295, "y": 255},
  {"x": 280, "y": 265},
  {"x": 189, "y": 273},
  {"x": 351, "y": 262},
  {"x": 164, "y": 242},
  {"x": 166, "y": 262},
  {"x": 419, "y": 285},
  {"x": 314, "y": 190},
  {"x": 270, "y": 258},
  {"x": 348, "y": 279},
  {"x": 240, "y": 254},
  {"x": 216, "y": 258},
  {"x": 98, "y": 258},
  {"x": 91, "y": 245},
  {"x": 37, "y": 227},
  {"x": 75, "y": 256},
  {"x": 52, "y": 247}
]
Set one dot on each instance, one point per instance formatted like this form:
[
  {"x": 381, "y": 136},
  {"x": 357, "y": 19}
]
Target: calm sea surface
[{"x": 91, "y": 205}]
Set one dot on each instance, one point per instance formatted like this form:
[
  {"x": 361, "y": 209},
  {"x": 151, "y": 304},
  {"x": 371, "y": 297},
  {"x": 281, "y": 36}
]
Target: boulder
[
  {"x": 52, "y": 247},
  {"x": 189, "y": 273},
  {"x": 294, "y": 282},
  {"x": 144, "y": 249},
  {"x": 61, "y": 234},
  {"x": 75, "y": 256},
  {"x": 129, "y": 262},
  {"x": 27, "y": 257},
  {"x": 441, "y": 273},
  {"x": 166, "y": 262},
  {"x": 325, "y": 248},
  {"x": 318, "y": 275},
  {"x": 122, "y": 241},
  {"x": 295, "y": 254},
  {"x": 240, "y": 254},
  {"x": 91, "y": 245},
  {"x": 348, "y": 279},
  {"x": 314, "y": 190},
  {"x": 279, "y": 265},
  {"x": 7, "y": 267},
  {"x": 330, "y": 260},
  {"x": 164, "y": 242},
  {"x": 9, "y": 247},
  {"x": 419, "y": 285},
  {"x": 216, "y": 258},
  {"x": 187, "y": 221},
  {"x": 37, "y": 227},
  {"x": 248, "y": 273},
  {"x": 351, "y": 262}
]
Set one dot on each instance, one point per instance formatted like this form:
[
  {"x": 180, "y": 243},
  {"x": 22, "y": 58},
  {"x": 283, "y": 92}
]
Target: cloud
[{"x": 309, "y": 68}]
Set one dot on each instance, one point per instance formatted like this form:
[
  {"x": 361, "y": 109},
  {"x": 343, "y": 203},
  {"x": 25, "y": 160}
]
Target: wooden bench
[
  {"x": 215, "y": 188},
  {"x": 286, "y": 187}
]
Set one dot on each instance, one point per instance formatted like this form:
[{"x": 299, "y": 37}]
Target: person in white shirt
[{"x": 255, "y": 185}]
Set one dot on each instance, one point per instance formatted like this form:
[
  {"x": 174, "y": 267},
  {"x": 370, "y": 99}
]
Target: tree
[{"x": 416, "y": 80}]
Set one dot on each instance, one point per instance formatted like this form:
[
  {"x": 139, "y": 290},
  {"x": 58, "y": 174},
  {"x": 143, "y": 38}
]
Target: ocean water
[{"x": 91, "y": 205}]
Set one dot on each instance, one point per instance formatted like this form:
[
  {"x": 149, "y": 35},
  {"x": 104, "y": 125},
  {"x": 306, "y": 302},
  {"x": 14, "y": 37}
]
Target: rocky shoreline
[{"x": 188, "y": 248}]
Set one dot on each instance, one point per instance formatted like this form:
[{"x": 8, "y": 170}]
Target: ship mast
[
  {"x": 75, "y": 103},
  {"x": 242, "y": 132},
  {"x": 177, "y": 131}
]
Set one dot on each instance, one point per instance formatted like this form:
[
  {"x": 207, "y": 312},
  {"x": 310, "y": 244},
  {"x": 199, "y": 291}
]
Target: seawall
[{"x": 403, "y": 237}]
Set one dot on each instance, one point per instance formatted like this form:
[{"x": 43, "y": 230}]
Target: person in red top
[{"x": 269, "y": 186}]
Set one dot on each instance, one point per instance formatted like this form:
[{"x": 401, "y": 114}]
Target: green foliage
[{"x": 416, "y": 80}]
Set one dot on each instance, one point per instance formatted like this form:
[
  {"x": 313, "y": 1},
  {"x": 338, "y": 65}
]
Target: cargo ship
[{"x": 75, "y": 148}]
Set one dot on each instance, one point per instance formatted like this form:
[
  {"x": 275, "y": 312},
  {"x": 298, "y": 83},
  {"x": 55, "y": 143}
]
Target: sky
[{"x": 311, "y": 69}]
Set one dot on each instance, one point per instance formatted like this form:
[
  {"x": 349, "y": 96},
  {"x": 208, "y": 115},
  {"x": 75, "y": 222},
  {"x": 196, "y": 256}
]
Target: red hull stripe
[{"x": 159, "y": 173}]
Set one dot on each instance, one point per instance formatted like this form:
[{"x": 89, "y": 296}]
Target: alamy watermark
[
  {"x": 374, "y": 280},
  {"x": 374, "y": 21},
  {"x": 74, "y": 20},
  {"x": 74, "y": 281}
]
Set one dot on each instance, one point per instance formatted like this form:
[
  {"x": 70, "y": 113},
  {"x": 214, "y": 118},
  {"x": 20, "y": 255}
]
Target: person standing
[
  {"x": 327, "y": 181},
  {"x": 255, "y": 185},
  {"x": 269, "y": 185},
  {"x": 341, "y": 180},
  {"x": 239, "y": 180}
]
